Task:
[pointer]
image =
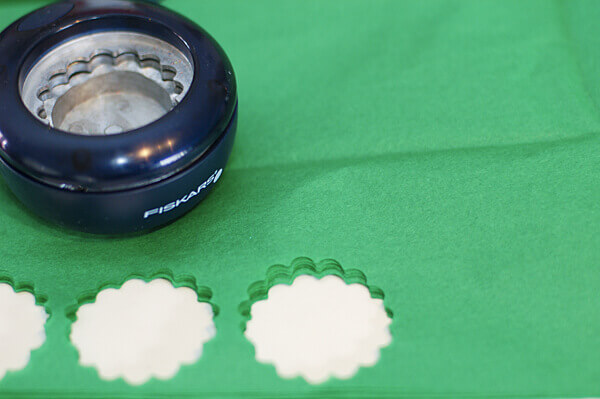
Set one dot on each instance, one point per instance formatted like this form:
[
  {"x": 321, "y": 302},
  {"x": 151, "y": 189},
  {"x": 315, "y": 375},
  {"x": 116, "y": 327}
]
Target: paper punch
[{"x": 116, "y": 116}]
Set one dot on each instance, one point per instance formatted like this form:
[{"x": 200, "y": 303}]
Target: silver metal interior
[{"x": 107, "y": 83}]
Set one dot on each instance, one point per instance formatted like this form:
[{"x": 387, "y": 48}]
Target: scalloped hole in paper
[
  {"x": 142, "y": 330},
  {"x": 21, "y": 328},
  {"x": 318, "y": 328}
]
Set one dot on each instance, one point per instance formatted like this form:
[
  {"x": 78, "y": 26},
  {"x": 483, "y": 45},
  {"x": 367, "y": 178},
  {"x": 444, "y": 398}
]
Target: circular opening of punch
[{"x": 107, "y": 83}]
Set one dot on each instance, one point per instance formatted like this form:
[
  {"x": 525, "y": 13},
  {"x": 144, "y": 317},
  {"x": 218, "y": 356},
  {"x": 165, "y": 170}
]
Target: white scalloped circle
[
  {"x": 142, "y": 330},
  {"x": 21, "y": 328},
  {"x": 318, "y": 329}
]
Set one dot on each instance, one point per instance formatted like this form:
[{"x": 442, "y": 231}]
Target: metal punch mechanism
[{"x": 107, "y": 83}]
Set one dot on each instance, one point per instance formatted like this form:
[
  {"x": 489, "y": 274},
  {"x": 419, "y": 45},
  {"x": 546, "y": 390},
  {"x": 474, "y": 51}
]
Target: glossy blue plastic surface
[
  {"x": 75, "y": 180},
  {"x": 89, "y": 163}
]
